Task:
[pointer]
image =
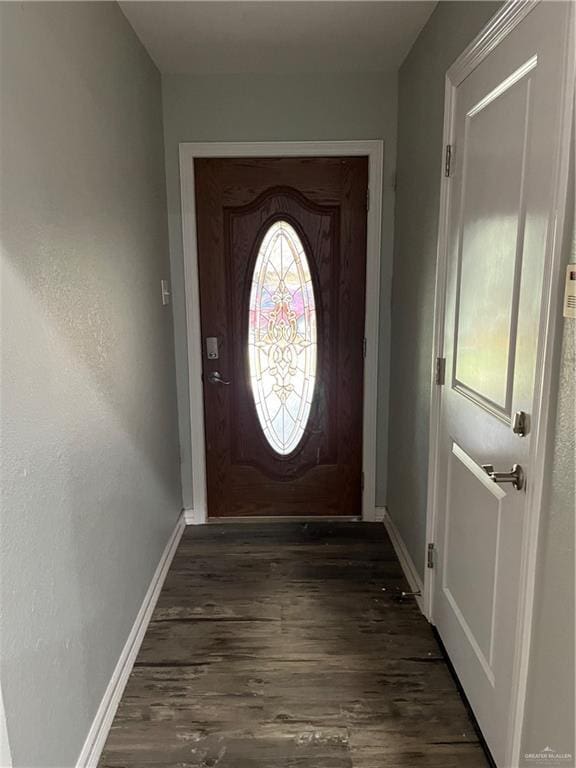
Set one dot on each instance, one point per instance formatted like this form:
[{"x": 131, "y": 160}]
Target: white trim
[
  {"x": 410, "y": 571},
  {"x": 5, "y": 754},
  {"x": 437, "y": 351},
  {"x": 499, "y": 27},
  {"x": 191, "y": 517},
  {"x": 94, "y": 744},
  {"x": 374, "y": 151},
  {"x": 507, "y": 19}
]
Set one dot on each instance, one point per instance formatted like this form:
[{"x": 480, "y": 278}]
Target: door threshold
[{"x": 287, "y": 519}]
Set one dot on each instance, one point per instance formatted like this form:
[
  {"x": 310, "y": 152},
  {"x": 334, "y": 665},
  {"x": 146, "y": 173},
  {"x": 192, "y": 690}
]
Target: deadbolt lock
[
  {"x": 520, "y": 423},
  {"x": 212, "y": 352}
]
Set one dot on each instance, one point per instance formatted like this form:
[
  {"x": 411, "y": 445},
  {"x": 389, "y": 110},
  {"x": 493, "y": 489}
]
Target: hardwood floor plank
[{"x": 284, "y": 646}]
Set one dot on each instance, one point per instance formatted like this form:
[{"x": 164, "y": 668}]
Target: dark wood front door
[{"x": 282, "y": 266}]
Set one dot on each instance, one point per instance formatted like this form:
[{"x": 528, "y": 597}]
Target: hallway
[
  {"x": 269, "y": 263},
  {"x": 284, "y": 645}
]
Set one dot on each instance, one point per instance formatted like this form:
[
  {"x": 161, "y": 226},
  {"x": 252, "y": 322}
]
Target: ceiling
[{"x": 277, "y": 36}]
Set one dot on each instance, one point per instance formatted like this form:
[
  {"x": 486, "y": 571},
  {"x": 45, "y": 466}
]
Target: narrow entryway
[{"x": 284, "y": 645}]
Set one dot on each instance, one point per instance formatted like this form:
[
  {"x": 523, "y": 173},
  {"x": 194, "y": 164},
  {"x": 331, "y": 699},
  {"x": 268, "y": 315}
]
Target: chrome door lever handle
[
  {"x": 216, "y": 378},
  {"x": 515, "y": 476}
]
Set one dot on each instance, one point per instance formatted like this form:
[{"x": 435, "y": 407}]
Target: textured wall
[
  {"x": 550, "y": 713},
  {"x": 278, "y": 108},
  {"x": 90, "y": 476},
  {"x": 452, "y": 26}
]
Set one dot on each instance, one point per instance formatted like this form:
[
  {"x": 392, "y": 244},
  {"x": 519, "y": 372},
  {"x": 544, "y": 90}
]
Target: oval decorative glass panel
[{"x": 282, "y": 346}]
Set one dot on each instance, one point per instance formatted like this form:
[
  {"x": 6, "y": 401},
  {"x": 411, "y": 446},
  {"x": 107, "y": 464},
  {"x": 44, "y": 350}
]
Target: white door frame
[
  {"x": 509, "y": 16},
  {"x": 374, "y": 151}
]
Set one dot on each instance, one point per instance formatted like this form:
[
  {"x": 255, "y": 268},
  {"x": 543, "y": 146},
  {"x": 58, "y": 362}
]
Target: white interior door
[{"x": 500, "y": 213}]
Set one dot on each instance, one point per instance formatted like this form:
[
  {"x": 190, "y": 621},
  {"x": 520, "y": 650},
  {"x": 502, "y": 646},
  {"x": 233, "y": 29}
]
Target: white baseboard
[
  {"x": 96, "y": 738},
  {"x": 5, "y": 754},
  {"x": 372, "y": 515},
  {"x": 193, "y": 518},
  {"x": 412, "y": 575}
]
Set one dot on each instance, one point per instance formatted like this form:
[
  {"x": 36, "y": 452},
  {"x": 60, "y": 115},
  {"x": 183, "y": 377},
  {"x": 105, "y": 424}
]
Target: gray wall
[
  {"x": 90, "y": 475},
  {"x": 549, "y": 717},
  {"x": 278, "y": 108},
  {"x": 550, "y": 713},
  {"x": 452, "y": 26}
]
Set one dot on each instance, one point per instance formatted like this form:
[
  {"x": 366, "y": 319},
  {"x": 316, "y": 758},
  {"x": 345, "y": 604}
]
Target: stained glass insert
[{"x": 282, "y": 346}]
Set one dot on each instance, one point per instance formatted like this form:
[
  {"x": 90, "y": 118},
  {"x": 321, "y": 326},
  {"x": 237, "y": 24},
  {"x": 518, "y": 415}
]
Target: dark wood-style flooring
[{"x": 283, "y": 645}]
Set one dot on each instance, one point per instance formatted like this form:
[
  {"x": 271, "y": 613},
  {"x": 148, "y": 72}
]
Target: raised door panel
[
  {"x": 471, "y": 552},
  {"x": 491, "y": 237}
]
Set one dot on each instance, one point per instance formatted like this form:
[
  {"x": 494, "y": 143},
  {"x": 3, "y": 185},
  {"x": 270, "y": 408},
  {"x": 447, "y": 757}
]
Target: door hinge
[
  {"x": 362, "y": 482},
  {"x": 440, "y": 372},
  {"x": 430, "y": 556},
  {"x": 364, "y": 347},
  {"x": 448, "y": 160},
  {"x": 368, "y": 199}
]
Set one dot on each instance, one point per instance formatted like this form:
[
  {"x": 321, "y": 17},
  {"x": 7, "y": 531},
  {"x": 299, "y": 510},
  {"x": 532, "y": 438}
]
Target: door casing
[
  {"x": 546, "y": 379},
  {"x": 374, "y": 151}
]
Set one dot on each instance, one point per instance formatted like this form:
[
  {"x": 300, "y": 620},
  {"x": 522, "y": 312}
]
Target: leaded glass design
[{"x": 282, "y": 347}]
